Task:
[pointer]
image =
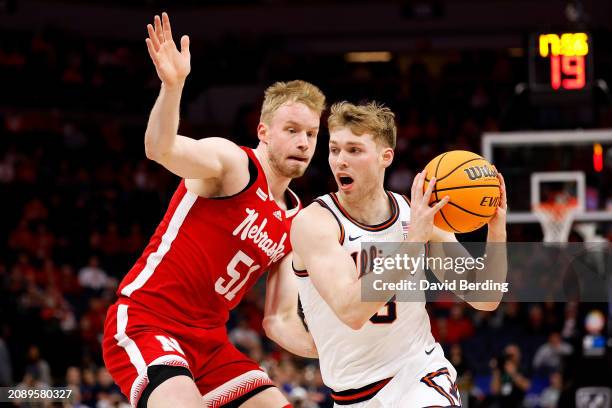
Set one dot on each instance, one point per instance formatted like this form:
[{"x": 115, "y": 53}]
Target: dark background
[{"x": 75, "y": 91}]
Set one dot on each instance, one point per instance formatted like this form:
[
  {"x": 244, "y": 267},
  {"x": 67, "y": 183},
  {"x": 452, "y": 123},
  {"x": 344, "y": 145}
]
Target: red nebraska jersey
[{"x": 208, "y": 252}]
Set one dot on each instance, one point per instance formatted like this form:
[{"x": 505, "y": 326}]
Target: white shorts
[{"x": 434, "y": 385}]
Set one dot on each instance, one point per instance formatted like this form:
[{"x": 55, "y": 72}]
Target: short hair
[
  {"x": 372, "y": 118},
  {"x": 299, "y": 91}
]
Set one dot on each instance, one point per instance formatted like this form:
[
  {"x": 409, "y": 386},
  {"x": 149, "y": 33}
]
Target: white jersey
[{"x": 395, "y": 338}]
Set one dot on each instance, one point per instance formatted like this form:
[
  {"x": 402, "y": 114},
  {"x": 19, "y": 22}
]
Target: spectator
[
  {"x": 457, "y": 359},
  {"x": 31, "y": 382},
  {"x": 73, "y": 382},
  {"x": 549, "y": 356},
  {"x": 88, "y": 388},
  {"x": 508, "y": 385},
  {"x": 37, "y": 367},
  {"x": 93, "y": 277},
  {"x": 569, "y": 330},
  {"x": 453, "y": 329},
  {"x": 244, "y": 337},
  {"x": 108, "y": 393},
  {"x": 299, "y": 398},
  {"x": 550, "y": 396}
]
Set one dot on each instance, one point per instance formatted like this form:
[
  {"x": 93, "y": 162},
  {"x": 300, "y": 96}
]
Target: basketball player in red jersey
[{"x": 165, "y": 342}]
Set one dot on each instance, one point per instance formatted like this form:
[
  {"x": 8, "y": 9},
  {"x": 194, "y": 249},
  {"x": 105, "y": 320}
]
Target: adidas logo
[{"x": 261, "y": 194}]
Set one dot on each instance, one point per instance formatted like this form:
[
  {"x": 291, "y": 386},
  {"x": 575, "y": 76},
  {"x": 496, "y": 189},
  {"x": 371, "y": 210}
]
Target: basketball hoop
[{"x": 556, "y": 217}]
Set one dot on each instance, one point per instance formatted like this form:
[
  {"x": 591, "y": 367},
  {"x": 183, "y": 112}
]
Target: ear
[
  {"x": 387, "y": 156},
  {"x": 262, "y": 132}
]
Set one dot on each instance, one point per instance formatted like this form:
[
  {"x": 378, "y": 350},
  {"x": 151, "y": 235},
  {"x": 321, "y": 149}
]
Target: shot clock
[{"x": 560, "y": 63}]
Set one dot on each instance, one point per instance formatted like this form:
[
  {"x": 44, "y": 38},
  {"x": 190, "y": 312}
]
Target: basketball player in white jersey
[{"x": 372, "y": 354}]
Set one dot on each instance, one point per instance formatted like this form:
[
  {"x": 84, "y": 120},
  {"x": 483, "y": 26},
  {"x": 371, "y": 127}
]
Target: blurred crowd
[{"x": 82, "y": 200}]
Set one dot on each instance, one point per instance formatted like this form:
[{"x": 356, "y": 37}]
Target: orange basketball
[{"x": 473, "y": 187}]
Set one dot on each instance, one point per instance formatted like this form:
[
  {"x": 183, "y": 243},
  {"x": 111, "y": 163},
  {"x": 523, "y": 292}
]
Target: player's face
[
  {"x": 291, "y": 138},
  {"x": 356, "y": 161}
]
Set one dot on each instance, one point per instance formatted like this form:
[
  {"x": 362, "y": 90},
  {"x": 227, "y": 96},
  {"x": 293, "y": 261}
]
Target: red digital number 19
[{"x": 571, "y": 67}]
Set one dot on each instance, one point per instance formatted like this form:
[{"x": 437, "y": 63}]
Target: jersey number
[
  {"x": 232, "y": 286},
  {"x": 388, "y": 317},
  {"x": 362, "y": 266}
]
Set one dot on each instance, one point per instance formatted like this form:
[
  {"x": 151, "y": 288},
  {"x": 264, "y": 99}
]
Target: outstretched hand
[
  {"x": 172, "y": 65},
  {"x": 421, "y": 213}
]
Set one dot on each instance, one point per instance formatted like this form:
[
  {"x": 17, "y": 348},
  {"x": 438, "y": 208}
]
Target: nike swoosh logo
[
  {"x": 354, "y": 238},
  {"x": 430, "y": 351}
]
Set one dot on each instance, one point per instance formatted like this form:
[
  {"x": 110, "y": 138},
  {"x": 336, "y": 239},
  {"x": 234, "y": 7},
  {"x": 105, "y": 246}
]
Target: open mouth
[
  {"x": 300, "y": 159},
  {"x": 345, "y": 181}
]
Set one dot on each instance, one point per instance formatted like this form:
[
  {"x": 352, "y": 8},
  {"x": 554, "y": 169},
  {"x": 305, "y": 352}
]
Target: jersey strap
[{"x": 323, "y": 203}]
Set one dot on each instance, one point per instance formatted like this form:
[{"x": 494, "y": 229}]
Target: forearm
[
  {"x": 495, "y": 382},
  {"x": 352, "y": 310},
  {"x": 290, "y": 334},
  {"x": 163, "y": 123},
  {"x": 520, "y": 381},
  {"x": 496, "y": 263},
  {"x": 355, "y": 310},
  {"x": 491, "y": 268}
]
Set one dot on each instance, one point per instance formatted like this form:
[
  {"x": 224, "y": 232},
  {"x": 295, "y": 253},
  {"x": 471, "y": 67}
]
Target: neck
[
  {"x": 369, "y": 208},
  {"x": 277, "y": 183}
]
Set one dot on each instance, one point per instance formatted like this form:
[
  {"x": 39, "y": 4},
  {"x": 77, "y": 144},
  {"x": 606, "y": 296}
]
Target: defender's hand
[
  {"x": 172, "y": 65},
  {"x": 421, "y": 214}
]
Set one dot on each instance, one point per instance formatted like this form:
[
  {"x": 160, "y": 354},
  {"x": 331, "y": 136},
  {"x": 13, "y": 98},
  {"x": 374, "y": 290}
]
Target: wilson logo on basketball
[{"x": 478, "y": 172}]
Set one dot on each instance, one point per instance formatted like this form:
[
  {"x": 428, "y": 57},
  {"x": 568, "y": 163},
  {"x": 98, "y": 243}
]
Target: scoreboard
[{"x": 560, "y": 62}]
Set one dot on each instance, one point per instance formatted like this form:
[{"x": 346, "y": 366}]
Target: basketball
[{"x": 473, "y": 187}]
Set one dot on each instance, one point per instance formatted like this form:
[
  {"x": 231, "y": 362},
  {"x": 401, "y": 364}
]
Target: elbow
[
  {"x": 349, "y": 317},
  {"x": 356, "y": 324},
  {"x": 485, "y": 306},
  {"x": 150, "y": 152},
  {"x": 269, "y": 325}
]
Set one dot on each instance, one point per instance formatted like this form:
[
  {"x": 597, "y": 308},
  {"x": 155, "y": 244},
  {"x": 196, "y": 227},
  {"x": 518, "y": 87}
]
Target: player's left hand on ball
[{"x": 498, "y": 221}]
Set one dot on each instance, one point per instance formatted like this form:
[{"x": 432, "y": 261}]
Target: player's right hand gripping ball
[{"x": 473, "y": 187}]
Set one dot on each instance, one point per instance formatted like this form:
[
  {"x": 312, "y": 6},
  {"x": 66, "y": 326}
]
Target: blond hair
[
  {"x": 280, "y": 93},
  {"x": 372, "y": 118}
]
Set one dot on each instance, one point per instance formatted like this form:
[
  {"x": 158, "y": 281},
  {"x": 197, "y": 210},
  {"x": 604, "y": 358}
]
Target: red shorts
[{"x": 135, "y": 339}]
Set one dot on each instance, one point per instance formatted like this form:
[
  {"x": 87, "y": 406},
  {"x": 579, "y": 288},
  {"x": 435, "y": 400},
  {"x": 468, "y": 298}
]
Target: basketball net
[{"x": 556, "y": 217}]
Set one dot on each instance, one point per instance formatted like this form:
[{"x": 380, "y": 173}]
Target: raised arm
[
  {"x": 281, "y": 320},
  {"x": 188, "y": 158}
]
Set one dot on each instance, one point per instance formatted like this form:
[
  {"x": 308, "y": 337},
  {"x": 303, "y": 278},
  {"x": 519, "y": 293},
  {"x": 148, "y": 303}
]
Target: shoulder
[
  {"x": 221, "y": 142},
  {"x": 234, "y": 168},
  {"x": 314, "y": 222},
  {"x": 224, "y": 150},
  {"x": 313, "y": 215}
]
